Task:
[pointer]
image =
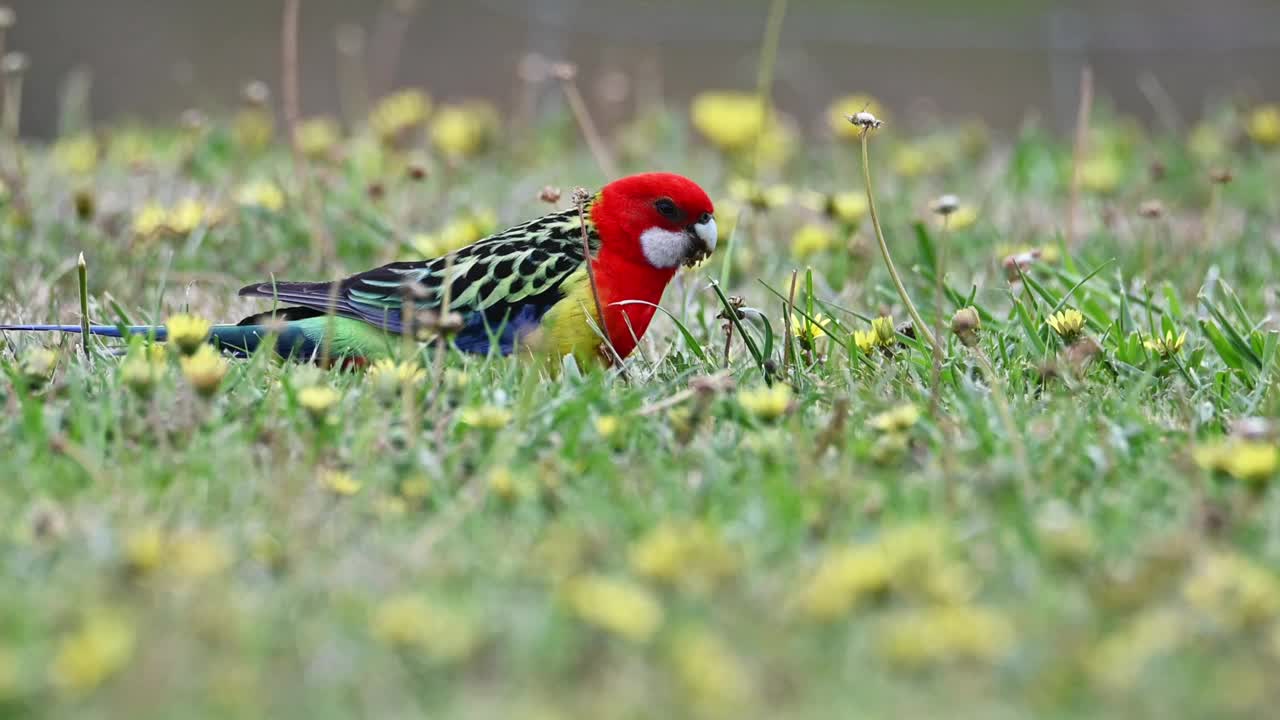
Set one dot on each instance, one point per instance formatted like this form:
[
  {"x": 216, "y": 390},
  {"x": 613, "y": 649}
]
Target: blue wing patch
[{"x": 480, "y": 328}]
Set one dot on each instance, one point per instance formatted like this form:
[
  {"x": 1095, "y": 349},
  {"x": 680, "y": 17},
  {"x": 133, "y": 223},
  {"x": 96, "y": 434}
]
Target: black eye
[
  {"x": 667, "y": 208},
  {"x": 704, "y": 218}
]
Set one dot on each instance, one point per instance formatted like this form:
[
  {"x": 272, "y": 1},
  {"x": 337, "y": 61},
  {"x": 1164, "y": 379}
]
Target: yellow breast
[{"x": 570, "y": 326}]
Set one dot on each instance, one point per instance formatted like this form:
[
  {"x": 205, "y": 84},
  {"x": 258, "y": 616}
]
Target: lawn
[{"x": 1066, "y": 512}]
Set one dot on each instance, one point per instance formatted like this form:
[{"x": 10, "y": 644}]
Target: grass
[{"x": 491, "y": 542}]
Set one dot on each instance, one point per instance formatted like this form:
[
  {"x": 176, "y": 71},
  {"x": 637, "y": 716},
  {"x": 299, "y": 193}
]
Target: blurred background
[{"x": 1161, "y": 60}]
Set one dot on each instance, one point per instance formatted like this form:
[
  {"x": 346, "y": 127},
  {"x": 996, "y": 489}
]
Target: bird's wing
[{"x": 508, "y": 278}]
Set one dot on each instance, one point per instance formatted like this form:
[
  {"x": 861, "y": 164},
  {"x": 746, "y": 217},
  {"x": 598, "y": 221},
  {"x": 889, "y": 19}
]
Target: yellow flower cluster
[
  {"x": 409, "y": 622},
  {"x": 732, "y": 121},
  {"x": 187, "y": 332},
  {"x": 1166, "y": 345},
  {"x": 317, "y": 137},
  {"x": 765, "y": 402},
  {"x": 619, "y": 606},
  {"x": 399, "y": 113},
  {"x": 691, "y": 556},
  {"x": 485, "y": 417},
  {"x": 464, "y": 130},
  {"x": 761, "y": 197},
  {"x": 881, "y": 335},
  {"x": 204, "y": 370},
  {"x": 37, "y": 365},
  {"x": 154, "y": 219},
  {"x": 811, "y": 239},
  {"x": 810, "y": 331},
  {"x": 459, "y": 232},
  {"x": 712, "y": 676},
  {"x": 1233, "y": 591},
  {"x": 76, "y": 155},
  {"x": 1252, "y": 461},
  {"x": 898, "y": 420},
  {"x": 339, "y": 482},
  {"x": 318, "y": 401},
  {"x": 946, "y": 634},
  {"x": 390, "y": 377},
  {"x": 1119, "y": 659},
  {"x": 1101, "y": 173},
  {"x": 847, "y": 207},
  {"x": 101, "y": 646},
  {"x": 261, "y": 194},
  {"x": 1263, "y": 125},
  {"x": 1068, "y": 324},
  {"x": 911, "y": 560}
]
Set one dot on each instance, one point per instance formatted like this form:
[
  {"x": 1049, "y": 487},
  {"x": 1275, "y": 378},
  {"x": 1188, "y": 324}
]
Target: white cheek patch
[{"x": 664, "y": 248}]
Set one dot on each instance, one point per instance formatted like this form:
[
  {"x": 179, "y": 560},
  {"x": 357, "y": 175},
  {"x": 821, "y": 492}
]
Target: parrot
[{"x": 527, "y": 289}]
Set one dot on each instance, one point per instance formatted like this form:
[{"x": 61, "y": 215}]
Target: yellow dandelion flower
[
  {"x": 1263, "y": 125},
  {"x": 711, "y": 674},
  {"x": 318, "y": 136},
  {"x": 318, "y": 401},
  {"x": 144, "y": 549},
  {"x": 1068, "y": 324},
  {"x": 811, "y": 239},
  {"x": 847, "y": 207},
  {"x": 390, "y": 378},
  {"x": 150, "y": 220},
  {"x": 607, "y": 425},
  {"x": 809, "y": 332},
  {"x": 617, "y": 606},
  {"x": 899, "y": 419},
  {"x": 140, "y": 373},
  {"x": 764, "y": 402},
  {"x": 846, "y": 578},
  {"x": 910, "y": 160},
  {"x": 416, "y": 488},
  {"x": 99, "y": 648},
  {"x": 398, "y": 113},
  {"x": 732, "y": 121},
  {"x": 76, "y": 155},
  {"x": 204, "y": 370},
  {"x": 187, "y": 332},
  {"x": 686, "y": 555},
  {"x": 1206, "y": 142},
  {"x": 1253, "y": 461},
  {"x": 196, "y": 555},
  {"x": 253, "y": 129},
  {"x": 485, "y": 417},
  {"x": 456, "y": 379},
  {"x": 262, "y": 194},
  {"x": 759, "y": 196},
  {"x": 1101, "y": 174},
  {"x": 188, "y": 215},
  {"x": 883, "y": 332},
  {"x": 411, "y": 623},
  {"x": 947, "y": 634},
  {"x": 1166, "y": 345},
  {"x": 462, "y": 131},
  {"x": 838, "y": 113},
  {"x": 1233, "y": 590},
  {"x": 1119, "y": 659},
  {"x": 962, "y": 218},
  {"x": 339, "y": 483}
]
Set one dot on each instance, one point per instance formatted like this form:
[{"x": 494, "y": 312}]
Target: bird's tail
[{"x": 238, "y": 339}]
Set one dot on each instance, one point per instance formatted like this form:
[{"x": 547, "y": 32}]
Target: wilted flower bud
[
  {"x": 1151, "y": 209},
  {"x": 7, "y": 17},
  {"x": 1221, "y": 176},
  {"x": 37, "y": 366},
  {"x": 564, "y": 71},
  {"x": 865, "y": 120},
  {"x": 549, "y": 194},
  {"x": 14, "y": 63},
  {"x": 965, "y": 324},
  {"x": 256, "y": 93},
  {"x": 86, "y": 205},
  {"x": 946, "y": 204}
]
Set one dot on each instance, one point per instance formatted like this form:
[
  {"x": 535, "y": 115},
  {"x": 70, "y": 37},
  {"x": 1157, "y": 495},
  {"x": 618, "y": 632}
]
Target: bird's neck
[{"x": 620, "y": 280}]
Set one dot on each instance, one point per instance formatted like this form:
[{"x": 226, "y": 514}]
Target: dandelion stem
[
  {"x": 1078, "y": 152},
  {"x": 884, "y": 247},
  {"x": 939, "y": 271},
  {"x": 764, "y": 78},
  {"x": 595, "y": 142}
]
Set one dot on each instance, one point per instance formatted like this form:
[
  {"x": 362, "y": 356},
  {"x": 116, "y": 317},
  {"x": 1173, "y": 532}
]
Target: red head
[{"x": 659, "y": 219}]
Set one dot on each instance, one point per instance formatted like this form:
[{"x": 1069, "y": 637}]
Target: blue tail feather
[{"x": 101, "y": 330}]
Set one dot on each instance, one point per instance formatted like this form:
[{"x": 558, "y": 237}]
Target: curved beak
[{"x": 703, "y": 240}]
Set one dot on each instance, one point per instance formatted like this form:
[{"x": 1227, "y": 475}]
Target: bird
[{"x": 527, "y": 289}]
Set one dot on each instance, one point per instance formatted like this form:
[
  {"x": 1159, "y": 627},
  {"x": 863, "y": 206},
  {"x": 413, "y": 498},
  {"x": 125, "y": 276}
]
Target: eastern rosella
[{"x": 525, "y": 289}]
